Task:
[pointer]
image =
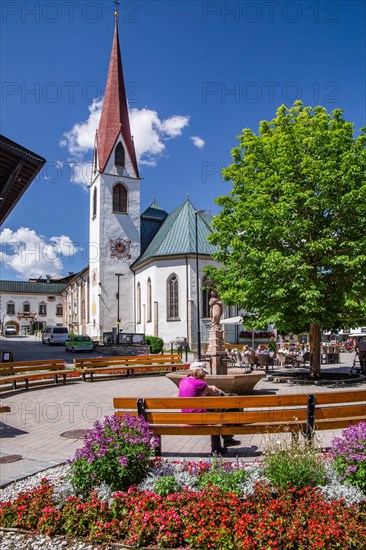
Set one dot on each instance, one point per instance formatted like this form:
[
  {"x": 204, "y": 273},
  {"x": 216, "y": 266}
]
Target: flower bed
[{"x": 199, "y": 505}]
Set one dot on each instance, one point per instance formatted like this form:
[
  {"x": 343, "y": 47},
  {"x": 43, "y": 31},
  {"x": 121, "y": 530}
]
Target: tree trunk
[{"x": 315, "y": 344}]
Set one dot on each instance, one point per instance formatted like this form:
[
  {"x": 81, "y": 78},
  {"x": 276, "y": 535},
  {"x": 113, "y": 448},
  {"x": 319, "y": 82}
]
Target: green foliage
[
  {"x": 294, "y": 464},
  {"x": 292, "y": 231},
  {"x": 230, "y": 481},
  {"x": 166, "y": 485},
  {"x": 156, "y": 344},
  {"x": 116, "y": 453}
]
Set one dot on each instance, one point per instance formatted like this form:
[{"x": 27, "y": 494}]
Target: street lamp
[
  {"x": 196, "y": 214},
  {"x": 118, "y": 275}
]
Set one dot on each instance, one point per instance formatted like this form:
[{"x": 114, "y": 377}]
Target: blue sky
[{"x": 196, "y": 73}]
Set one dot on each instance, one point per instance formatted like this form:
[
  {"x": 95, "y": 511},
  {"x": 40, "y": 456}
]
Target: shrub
[
  {"x": 156, "y": 344},
  {"x": 116, "y": 453},
  {"x": 222, "y": 475},
  {"x": 27, "y": 508},
  {"x": 294, "y": 464},
  {"x": 349, "y": 454},
  {"x": 290, "y": 519}
]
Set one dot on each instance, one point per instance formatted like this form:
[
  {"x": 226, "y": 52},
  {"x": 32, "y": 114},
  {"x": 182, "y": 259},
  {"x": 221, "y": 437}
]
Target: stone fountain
[{"x": 234, "y": 381}]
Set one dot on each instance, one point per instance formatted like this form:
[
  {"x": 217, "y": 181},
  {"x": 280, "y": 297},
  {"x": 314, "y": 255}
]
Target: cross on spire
[{"x": 116, "y": 10}]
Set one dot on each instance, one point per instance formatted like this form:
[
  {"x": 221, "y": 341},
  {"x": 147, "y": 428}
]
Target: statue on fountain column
[{"x": 216, "y": 308}]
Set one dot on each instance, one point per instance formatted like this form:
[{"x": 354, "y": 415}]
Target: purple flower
[{"x": 123, "y": 461}]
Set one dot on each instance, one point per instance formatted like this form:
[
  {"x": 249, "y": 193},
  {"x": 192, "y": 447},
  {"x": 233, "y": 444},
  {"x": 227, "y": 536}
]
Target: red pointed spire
[{"x": 114, "y": 118}]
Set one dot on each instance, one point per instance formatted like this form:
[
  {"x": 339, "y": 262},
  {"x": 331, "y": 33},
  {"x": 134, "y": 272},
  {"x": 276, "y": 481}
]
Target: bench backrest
[
  {"x": 248, "y": 409},
  {"x": 30, "y": 366},
  {"x": 125, "y": 360}
]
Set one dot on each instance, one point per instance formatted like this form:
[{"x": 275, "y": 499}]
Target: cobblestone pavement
[{"x": 39, "y": 416}]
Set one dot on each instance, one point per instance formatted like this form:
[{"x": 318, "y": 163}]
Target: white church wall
[{"x": 159, "y": 272}]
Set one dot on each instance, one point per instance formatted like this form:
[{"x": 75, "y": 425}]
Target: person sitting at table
[
  {"x": 194, "y": 385},
  {"x": 282, "y": 349},
  {"x": 303, "y": 349}
]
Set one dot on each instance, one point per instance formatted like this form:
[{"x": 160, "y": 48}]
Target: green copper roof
[
  {"x": 26, "y": 287},
  {"x": 177, "y": 235},
  {"x": 151, "y": 221}
]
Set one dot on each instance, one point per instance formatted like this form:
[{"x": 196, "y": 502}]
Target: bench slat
[
  {"x": 341, "y": 396},
  {"x": 284, "y": 415},
  {"x": 44, "y": 362},
  {"x": 38, "y": 368},
  {"x": 340, "y": 411},
  {"x": 126, "y": 360},
  {"x": 338, "y": 423}
]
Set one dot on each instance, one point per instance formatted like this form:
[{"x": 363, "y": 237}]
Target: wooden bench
[
  {"x": 129, "y": 365},
  {"x": 249, "y": 414},
  {"x": 32, "y": 370}
]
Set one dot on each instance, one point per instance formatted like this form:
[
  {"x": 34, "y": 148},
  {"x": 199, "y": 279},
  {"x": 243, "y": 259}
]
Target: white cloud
[
  {"x": 198, "y": 142},
  {"x": 145, "y": 126},
  {"x": 32, "y": 255},
  {"x": 81, "y": 172},
  {"x": 149, "y": 131},
  {"x": 64, "y": 245},
  {"x": 80, "y": 139},
  {"x": 174, "y": 125}
]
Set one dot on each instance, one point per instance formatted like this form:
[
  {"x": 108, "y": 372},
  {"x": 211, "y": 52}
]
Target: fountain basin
[{"x": 241, "y": 384}]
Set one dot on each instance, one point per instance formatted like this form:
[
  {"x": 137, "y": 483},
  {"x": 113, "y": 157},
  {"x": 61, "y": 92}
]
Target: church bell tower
[{"x": 114, "y": 209}]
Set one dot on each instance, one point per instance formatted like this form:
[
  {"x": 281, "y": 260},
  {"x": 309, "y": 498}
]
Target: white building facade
[{"x": 30, "y": 306}]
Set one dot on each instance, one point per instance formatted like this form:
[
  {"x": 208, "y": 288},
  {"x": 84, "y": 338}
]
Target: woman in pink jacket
[{"x": 194, "y": 385}]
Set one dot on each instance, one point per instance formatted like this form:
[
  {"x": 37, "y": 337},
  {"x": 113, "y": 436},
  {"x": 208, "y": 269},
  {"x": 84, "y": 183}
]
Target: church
[
  {"x": 145, "y": 268},
  {"x": 144, "y": 272}
]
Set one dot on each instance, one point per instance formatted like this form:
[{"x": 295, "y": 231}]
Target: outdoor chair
[
  {"x": 281, "y": 357},
  {"x": 249, "y": 361},
  {"x": 231, "y": 359},
  {"x": 300, "y": 360},
  {"x": 239, "y": 360},
  {"x": 324, "y": 356},
  {"x": 264, "y": 360}
]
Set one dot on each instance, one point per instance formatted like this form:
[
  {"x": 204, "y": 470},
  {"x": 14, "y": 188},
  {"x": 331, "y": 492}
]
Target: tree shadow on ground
[{"x": 7, "y": 431}]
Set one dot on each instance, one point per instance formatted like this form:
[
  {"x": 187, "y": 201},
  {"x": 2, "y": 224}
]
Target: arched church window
[
  {"x": 138, "y": 303},
  {"x": 94, "y": 203},
  {"x": 148, "y": 319},
  {"x": 173, "y": 297},
  {"x": 119, "y": 156},
  {"x": 119, "y": 198}
]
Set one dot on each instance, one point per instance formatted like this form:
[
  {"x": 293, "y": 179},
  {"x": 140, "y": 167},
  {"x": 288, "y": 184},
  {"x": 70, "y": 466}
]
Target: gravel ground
[
  {"x": 18, "y": 541},
  {"x": 54, "y": 475},
  {"x": 14, "y": 540}
]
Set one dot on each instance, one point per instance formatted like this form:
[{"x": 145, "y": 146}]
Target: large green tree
[{"x": 291, "y": 234}]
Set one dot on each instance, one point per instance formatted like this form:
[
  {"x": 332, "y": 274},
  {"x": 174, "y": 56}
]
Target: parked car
[
  {"x": 79, "y": 343},
  {"x": 55, "y": 335},
  {"x": 10, "y": 329}
]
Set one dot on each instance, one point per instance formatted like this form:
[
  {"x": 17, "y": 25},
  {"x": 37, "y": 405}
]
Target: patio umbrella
[
  {"x": 232, "y": 321},
  {"x": 236, "y": 321}
]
